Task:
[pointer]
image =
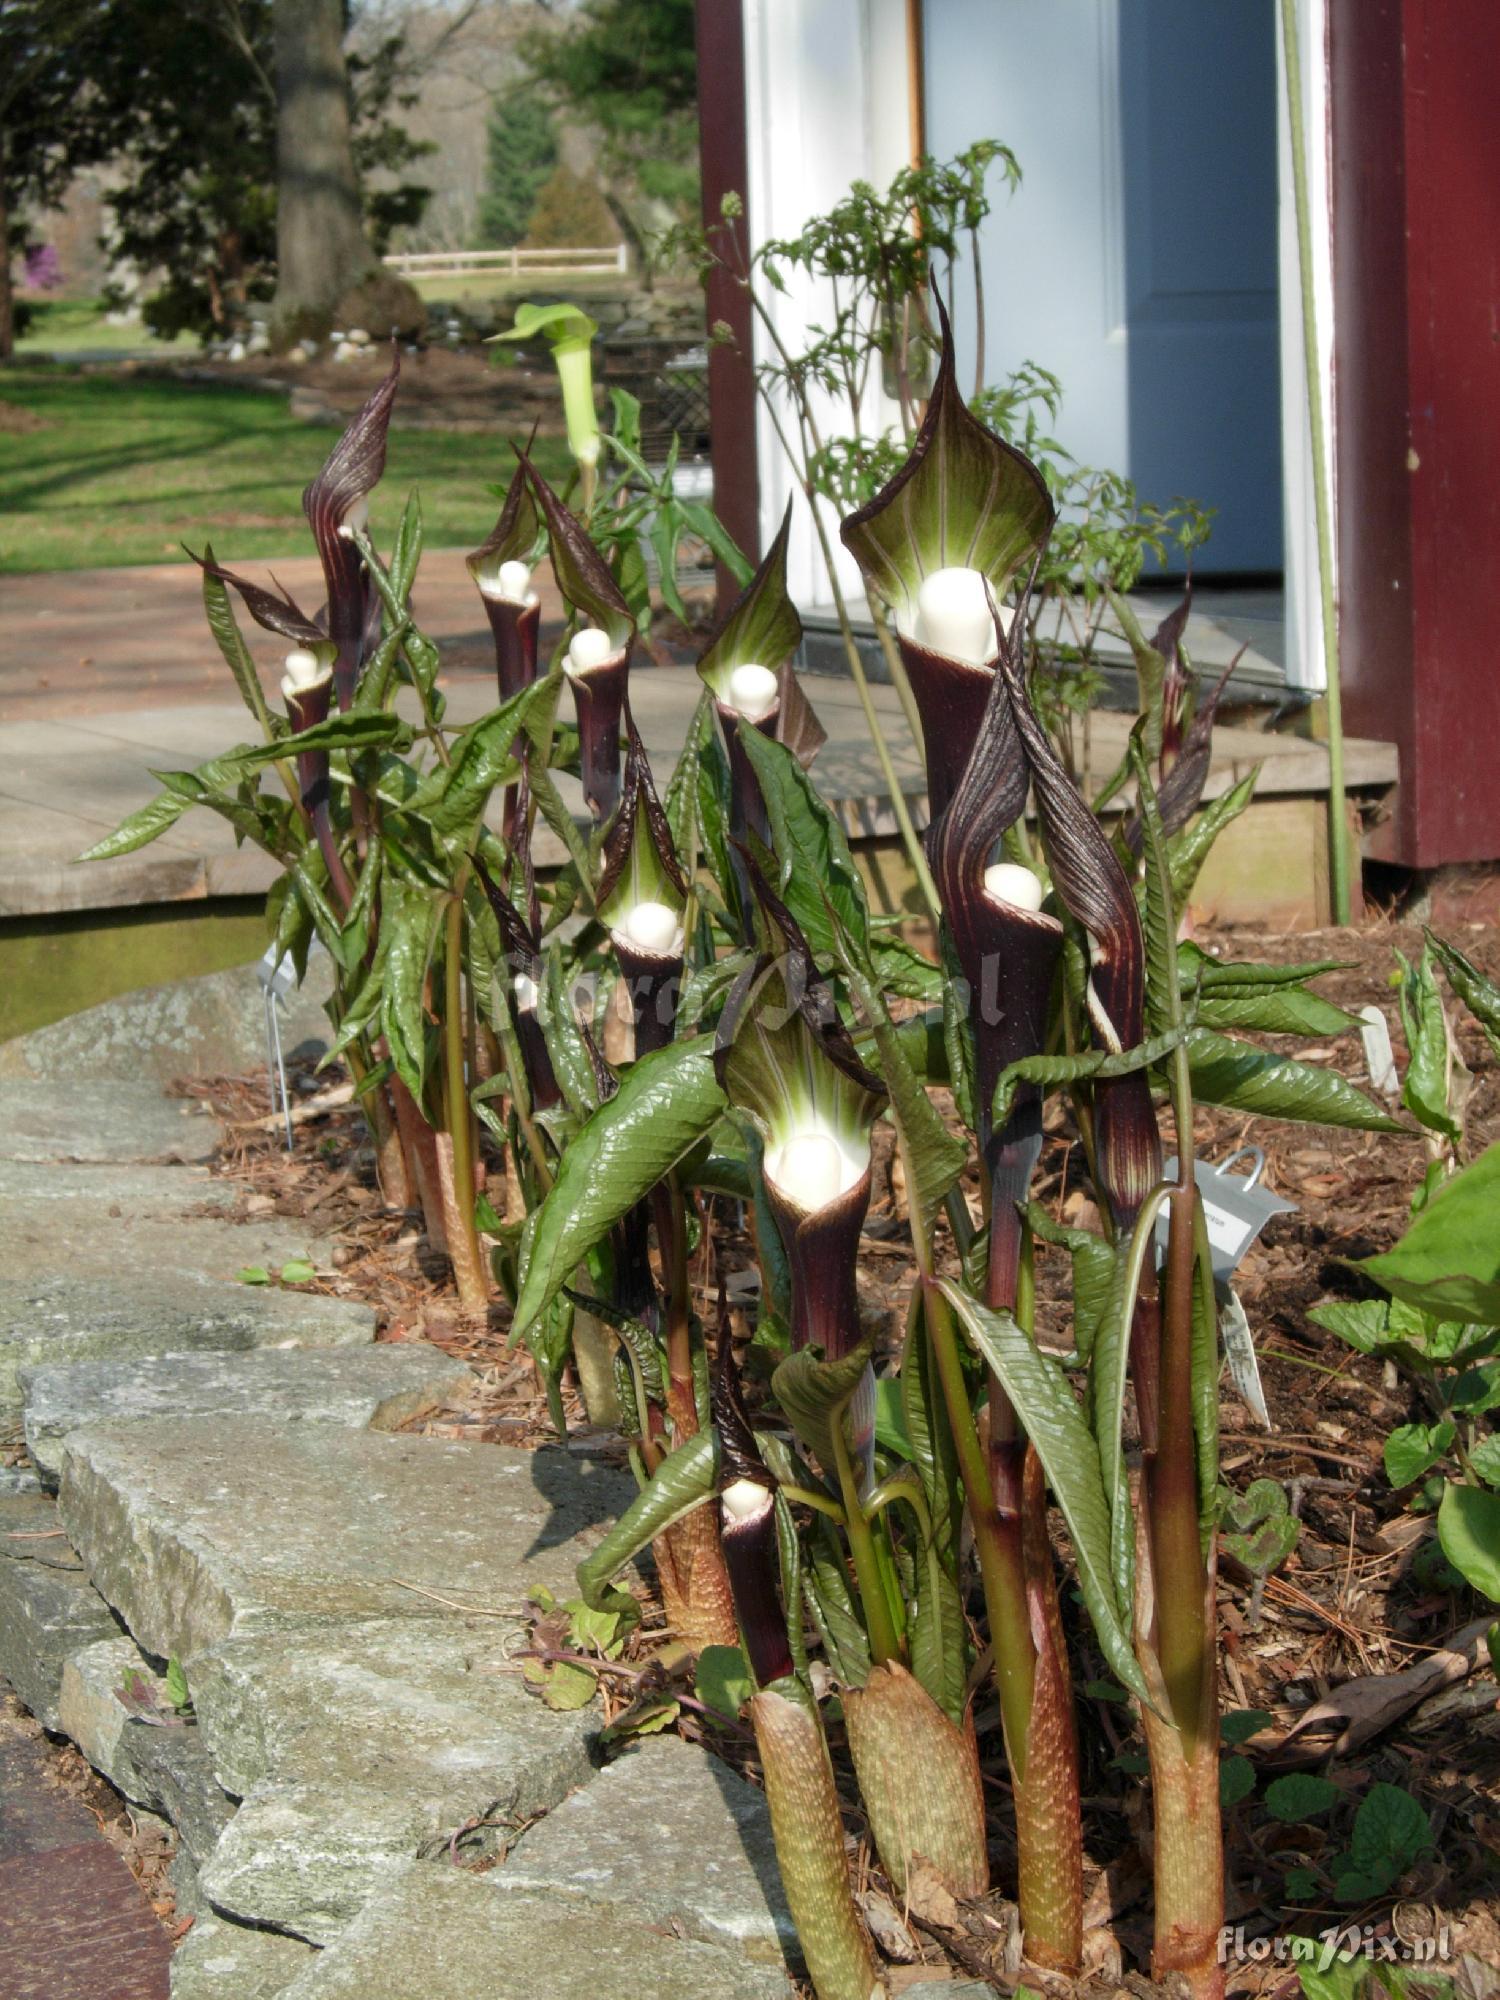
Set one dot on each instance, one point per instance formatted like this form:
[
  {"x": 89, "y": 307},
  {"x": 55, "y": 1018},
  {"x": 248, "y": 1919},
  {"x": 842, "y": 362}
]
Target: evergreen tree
[{"x": 522, "y": 151}]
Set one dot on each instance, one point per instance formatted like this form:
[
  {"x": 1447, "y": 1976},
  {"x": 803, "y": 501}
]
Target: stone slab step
[
  {"x": 197, "y": 1528},
  {"x": 111, "y": 1121},
  {"x": 672, "y": 1836},
  {"x": 364, "y": 1388},
  {"x": 211, "y": 1026},
  {"x": 132, "y": 1221},
  {"x": 48, "y": 1608},
  {"x": 438, "y": 1933},
  {"x": 61, "y": 1320}
]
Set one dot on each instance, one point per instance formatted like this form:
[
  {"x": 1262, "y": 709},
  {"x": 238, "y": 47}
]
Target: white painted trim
[
  {"x": 826, "y": 105},
  {"x": 1305, "y": 664}
]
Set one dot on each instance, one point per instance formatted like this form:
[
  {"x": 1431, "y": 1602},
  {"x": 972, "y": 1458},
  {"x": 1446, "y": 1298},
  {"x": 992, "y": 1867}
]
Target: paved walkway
[{"x": 111, "y": 673}]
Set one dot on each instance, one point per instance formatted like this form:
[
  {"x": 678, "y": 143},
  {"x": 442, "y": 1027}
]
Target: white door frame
[{"x": 826, "y": 104}]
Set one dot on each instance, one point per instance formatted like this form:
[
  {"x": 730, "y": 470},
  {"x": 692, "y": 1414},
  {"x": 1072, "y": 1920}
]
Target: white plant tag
[
  {"x": 277, "y": 978},
  {"x": 1239, "y": 1352},
  {"x": 1380, "y": 1060},
  {"x": 1235, "y": 1208}
]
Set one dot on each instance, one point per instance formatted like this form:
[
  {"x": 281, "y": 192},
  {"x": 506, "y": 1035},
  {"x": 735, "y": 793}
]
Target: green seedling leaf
[
  {"x": 1428, "y": 1089},
  {"x": 1448, "y": 1262},
  {"x": 1268, "y": 1531},
  {"x": 1391, "y": 1831},
  {"x": 1469, "y": 1531},
  {"x": 253, "y": 1274},
  {"x": 1480, "y": 995},
  {"x": 647, "y": 1715},
  {"x": 561, "y": 1684},
  {"x": 1485, "y": 1459},
  {"x": 1240, "y": 1724},
  {"x": 1412, "y": 1448},
  {"x": 1299, "y": 1797},
  {"x": 176, "y": 1686},
  {"x": 596, "y": 1629},
  {"x": 667, "y": 1103},
  {"x": 297, "y": 1271},
  {"x": 724, "y": 1682},
  {"x": 1236, "y": 1780}
]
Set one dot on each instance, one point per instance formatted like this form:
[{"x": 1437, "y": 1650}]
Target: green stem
[
  {"x": 1338, "y": 829},
  {"x": 460, "y": 1128},
  {"x": 885, "y": 1644}
]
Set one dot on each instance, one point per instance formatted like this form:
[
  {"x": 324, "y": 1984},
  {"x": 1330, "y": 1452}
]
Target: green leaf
[
  {"x": 1187, "y": 851},
  {"x": 1480, "y": 995},
  {"x": 1093, "y": 1273},
  {"x": 345, "y": 731},
  {"x": 1243, "y": 1078},
  {"x": 297, "y": 1271},
  {"x": 1391, "y": 1831},
  {"x": 454, "y": 796},
  {"x": 667, "y": 1103},
  {"x": 413, "y": 918},
  {"x": 1427, "y": 1086},
  {"x": 814, "y": 1393},
  {"x": 1054, "y": 1424},
  {"x": 140, "y": 828},
  {"x": 1199, "y": 970},
  {"x": 176, "y": 1686},
  {"x": 1284, "y": 1010},
  {"x": 815, "y": 870},
  {"x": 1469, "y": 1531},
  {"x": 1448, "y": 1262},
  {"x": 563, "y": 1684},
  {"x": 1240, "y": 1724},
  {"x": 219, "y": 610},
  {"x": 253, "y": 1274},
  {"x": 685, "y": 1479},
  {"x": 1300, "y": 1796},
  {"x": 1484, "y": 1457},
  {"x": 723, "y": 1681},
  {"x": 1412, "y": 1448},
  {"x": 1236, "y": 1780}
]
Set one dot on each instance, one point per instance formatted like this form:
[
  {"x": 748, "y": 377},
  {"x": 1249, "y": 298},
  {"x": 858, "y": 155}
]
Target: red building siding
[{"x": 1416, "y": 218}]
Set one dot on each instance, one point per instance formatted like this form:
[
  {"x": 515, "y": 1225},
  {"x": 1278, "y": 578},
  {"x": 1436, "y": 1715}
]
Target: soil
[{"x": 1360, "y": 1595}]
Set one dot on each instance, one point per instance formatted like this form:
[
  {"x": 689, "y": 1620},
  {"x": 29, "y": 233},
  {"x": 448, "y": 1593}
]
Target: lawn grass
[
  {"x": 68, "y": 326},
  {"x": 122, "y": 470}
]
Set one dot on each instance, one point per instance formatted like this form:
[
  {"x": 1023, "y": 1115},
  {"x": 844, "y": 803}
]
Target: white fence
[{"x": 610, "y": 258}]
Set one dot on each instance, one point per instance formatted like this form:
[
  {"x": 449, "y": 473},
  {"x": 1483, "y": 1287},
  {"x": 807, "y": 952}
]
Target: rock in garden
[
  {"x": 225, "y": 1961},
  {"x": 375, "y": 1388},
  {"x": 48, "y": 1607},
  {"x": 196, "y": 1528},
  {"x": 437, "y": 1933},
  {"x": 671, "y": 1835},
  {"x": 60, "y": 1321}
]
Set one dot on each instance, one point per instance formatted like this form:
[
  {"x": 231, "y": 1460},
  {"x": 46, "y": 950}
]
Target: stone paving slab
[
  {"x": 48, "y": 1608},
  {"x": 437, "y": 1933},
  {"x": 210, "y": 1026},
  {"x": 431, "y": 1705},
  {"x": 196, "y": 1528},
  {"x": 674, "y": 1837},
  {"x": 364, "y": 1388},
  {"x": 218, "y": 1960},
  {"x": 108, "y": 1120},
  {"x": 133, "y": 1221},
  {"x": 62, "y": 1321}
]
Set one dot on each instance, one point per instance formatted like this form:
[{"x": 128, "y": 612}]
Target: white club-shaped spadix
[
  {"x": 954, "y": 617},
  {"x": 525, "y": 992},
  {"x": 653, "y": 927},
  {"x": 1011, "y": 882},
  {"x": 743, "y": 1500},
  {"x": 357, "y": 520},
  {"x": 511, "y": 583},
  {"x": 753, "y": 691},
  {"x": 303, "y": 670},
  {"x": 591, "y": 647},
  {"x": 813, "y": 1167}
]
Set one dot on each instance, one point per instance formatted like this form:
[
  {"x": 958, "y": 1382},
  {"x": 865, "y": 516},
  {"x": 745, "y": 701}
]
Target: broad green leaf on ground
[
  {"x": 668, "y": 1101},
  {"x": 685, "y": 1479},
  {"x": 1243, "y": 1078},
  {"x": 1412, "y": 1448},
  {"x": 1054, "y": 1423},
  {"x": 1300, "y": 1796},
  {"x": 1448, "y": 1262},
  {"x": 1469, "y": 1530},
  {"x": 723, "y": 1682}
]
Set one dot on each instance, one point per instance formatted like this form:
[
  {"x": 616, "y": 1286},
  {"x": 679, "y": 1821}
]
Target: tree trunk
[
  {"x": 7, "y": 309},
  {"x": 321, "y": 250}
]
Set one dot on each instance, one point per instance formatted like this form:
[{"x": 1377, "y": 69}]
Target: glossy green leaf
[
  {"x": 1284, "y": 1010},
  {"x": 1469, "y": 1530},
  {"x": 413, "y": 918},
  {"x": 1243, "y": 1078},
  {"x": 1187, "y": 851},
  {"x": 140, "y": 828},
  {"x": 685, "y": 1479},
  {"x": 1448, "y": 1262},
  {"x": 1051, "y": 1070},
  {"x": 668, "y": 1101},
  {"x": 1427, "y": 1087},
  {"x": 1053, "y": 1422},
  {"x": 814, "y": 1394},
  {"x": 939, "y": 1629},
  {"x": 454, "y": 796},
  {"x": 815, "y": 870},
  {"x": 1093, "y": 1273},
  {"x": 222, "y": 623},
  {"x": 1480, "y": 995},
  {"x": 348, "y": 732}
]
